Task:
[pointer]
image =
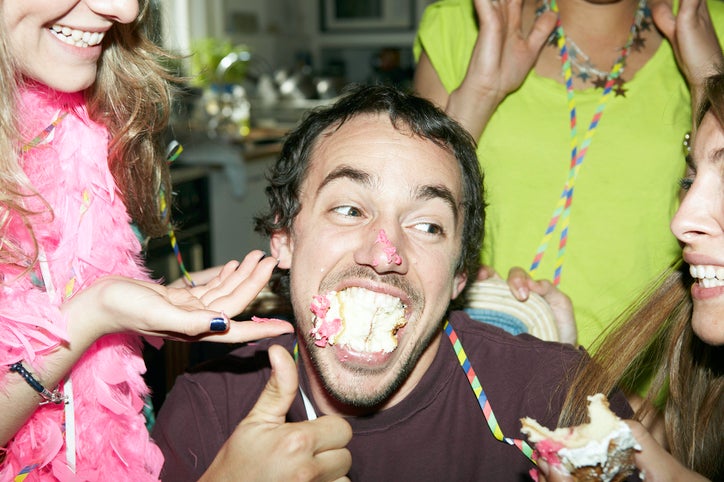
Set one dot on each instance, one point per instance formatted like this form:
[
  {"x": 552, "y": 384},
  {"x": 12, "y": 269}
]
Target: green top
[{"x": 627, "y": 189}]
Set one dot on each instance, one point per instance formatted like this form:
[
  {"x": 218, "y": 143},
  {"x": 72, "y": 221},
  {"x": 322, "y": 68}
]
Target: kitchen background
[{"x": 254, "y": 67}]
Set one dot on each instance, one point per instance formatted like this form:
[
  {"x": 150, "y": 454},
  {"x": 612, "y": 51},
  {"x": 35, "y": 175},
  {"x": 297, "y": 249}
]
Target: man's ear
[
  {"x": 458, "y": 284},
  {"x": 281, "y": 248}
]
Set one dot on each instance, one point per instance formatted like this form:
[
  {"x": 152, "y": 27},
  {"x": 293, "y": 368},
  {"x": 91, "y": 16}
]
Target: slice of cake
[
  {"x": 601, "y": 450},
  {"x": 365, "y": 321}
]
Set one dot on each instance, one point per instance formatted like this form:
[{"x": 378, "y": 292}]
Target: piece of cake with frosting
[
  {"x": 363, "y": 320},
  {"x": 601, "y": 450}
]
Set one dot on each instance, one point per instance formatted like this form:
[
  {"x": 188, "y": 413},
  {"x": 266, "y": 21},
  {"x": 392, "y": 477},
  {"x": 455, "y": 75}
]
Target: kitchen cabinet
[{"x": 232, "y": 212}]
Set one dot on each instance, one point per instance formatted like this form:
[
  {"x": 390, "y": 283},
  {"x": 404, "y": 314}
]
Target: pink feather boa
[{"x": 88, "y": 236}]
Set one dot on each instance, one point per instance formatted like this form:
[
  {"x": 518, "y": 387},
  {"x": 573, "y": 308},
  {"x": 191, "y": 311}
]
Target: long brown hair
[
  {"x": 655, "y": 339},
  {"x": 132, "y": 98}
]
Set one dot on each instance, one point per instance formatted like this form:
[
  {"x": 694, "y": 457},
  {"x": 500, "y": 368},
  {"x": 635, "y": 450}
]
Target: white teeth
[
  {"x": 711, "y": 282},
  {"x": 707, "y": 276},
  {"x": 78, "y": 38}
]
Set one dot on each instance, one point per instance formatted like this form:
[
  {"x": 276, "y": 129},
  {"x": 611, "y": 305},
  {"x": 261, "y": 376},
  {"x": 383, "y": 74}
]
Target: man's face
[{"x": 379, "y": 210}]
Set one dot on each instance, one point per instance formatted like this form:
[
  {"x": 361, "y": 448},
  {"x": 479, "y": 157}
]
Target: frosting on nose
[{"x": 388, "y": 248}]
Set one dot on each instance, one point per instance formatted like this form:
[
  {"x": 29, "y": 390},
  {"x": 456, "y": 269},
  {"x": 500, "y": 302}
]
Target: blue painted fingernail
[{"x": 218, "y": 324}]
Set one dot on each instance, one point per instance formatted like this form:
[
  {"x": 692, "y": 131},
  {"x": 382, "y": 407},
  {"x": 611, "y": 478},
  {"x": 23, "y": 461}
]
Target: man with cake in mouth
[{"x": 375, "y": 217}]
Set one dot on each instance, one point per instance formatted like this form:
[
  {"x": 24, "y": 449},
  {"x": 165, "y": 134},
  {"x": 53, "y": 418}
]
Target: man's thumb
[{"x": 281, "y": 389}]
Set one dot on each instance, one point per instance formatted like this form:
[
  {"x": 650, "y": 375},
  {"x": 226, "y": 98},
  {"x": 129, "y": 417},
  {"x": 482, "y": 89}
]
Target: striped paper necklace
[
  {"x": 483, "y": 401},
  {"x": 562, "y": 210},
  {"x": 46, "y": 135},
  {"x": 173, "y": 151},
  {"x": 472, "y": 377}
]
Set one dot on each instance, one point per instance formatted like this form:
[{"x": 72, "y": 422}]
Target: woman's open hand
[{"x": 116, "y": 304}]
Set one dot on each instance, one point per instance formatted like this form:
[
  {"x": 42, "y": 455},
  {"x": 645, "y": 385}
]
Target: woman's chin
[{"x": 709, "y": 328}]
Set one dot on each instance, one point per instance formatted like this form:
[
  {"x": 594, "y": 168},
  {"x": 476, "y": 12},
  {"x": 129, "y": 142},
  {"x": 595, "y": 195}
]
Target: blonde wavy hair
[
  {"x": 655, "y": 339},
  {"x": 132, "y": 97}
]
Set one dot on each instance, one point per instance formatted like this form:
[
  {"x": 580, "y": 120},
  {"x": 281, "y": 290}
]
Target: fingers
[
  {"x": 331, "y": 432},
  {"x": 541, "y": 30},
  {"x": 553, "y": 473},
  {"x": 652, "y": 460},
  {"x": 520, "y": 283},
  {"x": 335, "y": 464},
  {"x": 483, "y": 8},
  {"x": 211, "y": 275},
  {"x": 240, "y": 288},
  {"x": 323, "y": 439},
  {"x": 279, "y": 392},
  {"x": 230, "y": 276},
  {"x": 664, "y": 19},
  {"x": 265, "y": 447},
  {"x": 486, "y": 272},
  {"x": 245, "y": 331}
]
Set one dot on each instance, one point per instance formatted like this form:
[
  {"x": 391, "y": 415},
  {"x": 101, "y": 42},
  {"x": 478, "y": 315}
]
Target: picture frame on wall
[{"x": 361, "y": 15}]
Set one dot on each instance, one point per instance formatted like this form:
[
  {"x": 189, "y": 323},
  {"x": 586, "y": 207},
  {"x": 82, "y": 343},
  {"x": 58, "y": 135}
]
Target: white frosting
[
  {"x": 369, "y": 320},
  {"x": 590, "y": 444},
  {"x": 595, "y": 451}
]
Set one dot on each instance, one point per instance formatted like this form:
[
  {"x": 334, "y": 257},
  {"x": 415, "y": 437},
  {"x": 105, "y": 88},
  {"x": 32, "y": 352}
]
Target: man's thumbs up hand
[{"x": 266, "y": 448}]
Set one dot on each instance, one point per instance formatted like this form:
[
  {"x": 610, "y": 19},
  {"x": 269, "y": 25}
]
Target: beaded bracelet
[{"x": 53, "y": 397}]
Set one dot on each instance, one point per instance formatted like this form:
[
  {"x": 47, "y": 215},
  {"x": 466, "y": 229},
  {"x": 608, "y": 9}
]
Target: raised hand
[
  {"x": 263, "y": 447},
  {"x": 502, "y": 57},
  {"x": 693, "y": 38}
]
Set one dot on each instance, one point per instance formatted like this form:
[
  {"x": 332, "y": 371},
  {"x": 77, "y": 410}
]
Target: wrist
[
  {"x": 473, "y": 111},
  {"x": 86, "y": 319}
]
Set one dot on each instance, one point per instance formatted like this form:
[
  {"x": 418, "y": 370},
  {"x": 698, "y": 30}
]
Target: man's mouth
[{"x": 360, "y": 321}]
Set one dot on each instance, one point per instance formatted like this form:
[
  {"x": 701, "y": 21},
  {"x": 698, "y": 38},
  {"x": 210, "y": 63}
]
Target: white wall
[{"x": 283, "y": 28}]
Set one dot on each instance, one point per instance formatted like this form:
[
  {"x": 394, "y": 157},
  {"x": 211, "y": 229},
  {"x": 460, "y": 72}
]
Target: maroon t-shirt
[{"x": 437, "y": 433}]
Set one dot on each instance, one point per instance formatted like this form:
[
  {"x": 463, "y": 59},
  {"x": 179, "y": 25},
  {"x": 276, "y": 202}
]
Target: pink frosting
[
  {"x": 320, "y": 307},
  {"x": 389, "y": 249},
  {"x": 548, "y": 450}
]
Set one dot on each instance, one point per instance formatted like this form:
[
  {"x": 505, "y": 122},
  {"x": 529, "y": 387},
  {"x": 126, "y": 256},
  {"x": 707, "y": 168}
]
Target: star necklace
[
  {"x": 561, "y": 216},
  {"x": 581, "y": 64}
]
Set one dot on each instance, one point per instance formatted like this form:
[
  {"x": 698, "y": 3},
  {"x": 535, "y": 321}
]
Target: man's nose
[{"x": 382, "y": 250}]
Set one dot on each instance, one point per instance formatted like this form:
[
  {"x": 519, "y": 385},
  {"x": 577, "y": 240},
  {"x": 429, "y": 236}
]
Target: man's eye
[
  {"x": 429, "y": 228},
  {"x": 347, "y": 211}
]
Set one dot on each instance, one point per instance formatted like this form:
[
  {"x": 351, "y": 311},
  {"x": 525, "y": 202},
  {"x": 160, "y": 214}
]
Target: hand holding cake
[{"x": 601, "y": 450}]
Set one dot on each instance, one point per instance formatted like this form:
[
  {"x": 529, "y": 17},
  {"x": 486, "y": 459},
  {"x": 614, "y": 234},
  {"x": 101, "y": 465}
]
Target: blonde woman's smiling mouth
[{"x": 75, "y": 37}]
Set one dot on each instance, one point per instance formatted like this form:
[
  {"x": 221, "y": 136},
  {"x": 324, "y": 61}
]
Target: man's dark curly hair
[{"x": 405, "y": 111}]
